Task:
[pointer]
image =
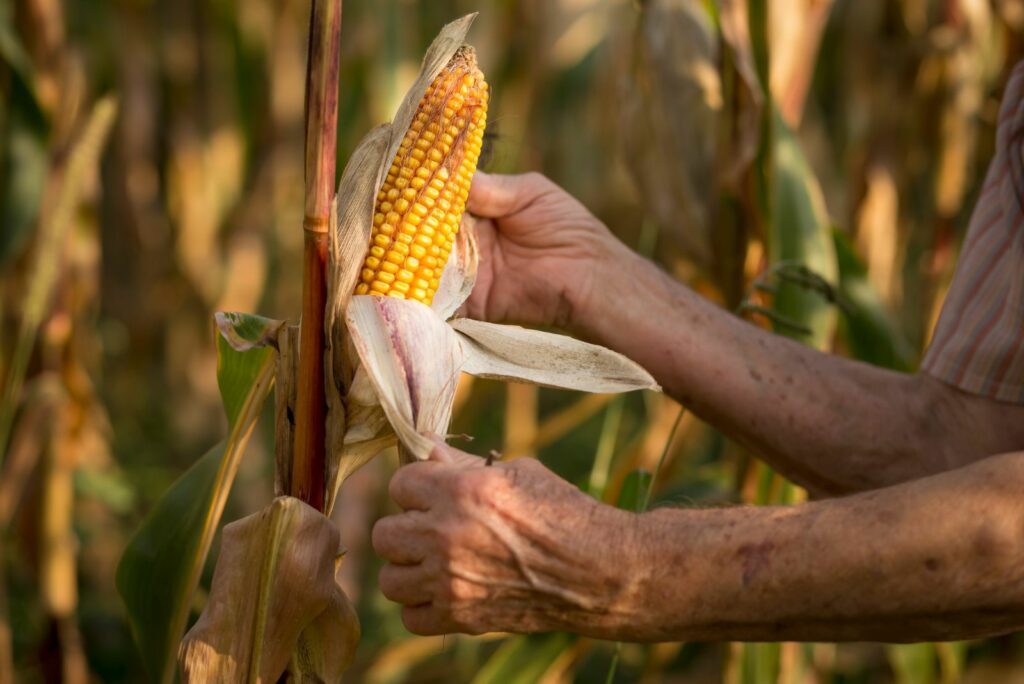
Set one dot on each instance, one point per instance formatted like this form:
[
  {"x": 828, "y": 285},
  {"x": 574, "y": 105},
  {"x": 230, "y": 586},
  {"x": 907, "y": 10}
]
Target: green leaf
[
  {"x": 524, "y": 659},
  {"x": 160, "y": 567},
  {"x": 801, "y": 233},
  {"x": 246, "y": 331},
  {"x": 761, "y": 663},
  {"x": 913, "y": 663},
  {"x": 866, "y": 325},
  {"x": 634, "y": 491}
]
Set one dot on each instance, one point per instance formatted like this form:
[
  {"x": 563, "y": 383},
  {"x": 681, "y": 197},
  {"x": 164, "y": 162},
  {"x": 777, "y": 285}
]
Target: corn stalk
[{"x": 309, "y": 457}]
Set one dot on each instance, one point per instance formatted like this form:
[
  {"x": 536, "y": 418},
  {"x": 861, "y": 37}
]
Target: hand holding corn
[{"x": 543, "y": 256}]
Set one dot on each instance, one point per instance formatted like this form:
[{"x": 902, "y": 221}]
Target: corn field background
[{"x": 151, "y": 173}]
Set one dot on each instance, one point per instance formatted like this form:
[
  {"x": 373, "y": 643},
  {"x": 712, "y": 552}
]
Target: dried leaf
[
  {"x": 328, "y": 644},
  {"x": 744, "y": 135},
  {"x": 795, "y": 29},
  {"x": 671, "y": 98},
  {"x": 275, "y": 577},
  {"x": 508, "y": 352}
]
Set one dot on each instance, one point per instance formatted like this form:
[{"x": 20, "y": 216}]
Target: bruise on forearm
[{"x": 940, "y": 558}]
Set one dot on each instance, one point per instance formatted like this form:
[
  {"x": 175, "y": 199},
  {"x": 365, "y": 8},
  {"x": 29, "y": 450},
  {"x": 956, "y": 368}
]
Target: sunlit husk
[
  {"x": 394, "y": 364},
  {"x": 508, "y": 352},
  {"x": 413, "y": 360},
  {"x": 355, "y": 438},
  {"x": 459, "y": 275}
]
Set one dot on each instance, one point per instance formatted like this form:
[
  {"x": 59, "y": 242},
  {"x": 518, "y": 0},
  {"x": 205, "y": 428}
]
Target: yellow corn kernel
[{"x": 419, "y": 208}]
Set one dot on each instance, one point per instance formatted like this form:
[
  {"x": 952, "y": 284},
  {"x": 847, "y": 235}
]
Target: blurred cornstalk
[{"x": 52, "y": 427}]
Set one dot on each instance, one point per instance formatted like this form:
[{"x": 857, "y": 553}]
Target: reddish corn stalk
[{"x": 308, "y": 459}]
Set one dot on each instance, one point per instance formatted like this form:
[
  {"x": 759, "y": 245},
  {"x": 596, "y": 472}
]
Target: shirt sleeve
[{"x": 978, "y": 345}]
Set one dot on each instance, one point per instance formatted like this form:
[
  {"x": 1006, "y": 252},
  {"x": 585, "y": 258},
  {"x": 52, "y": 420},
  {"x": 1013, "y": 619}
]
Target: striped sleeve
[{"x": 978, "y": 344}]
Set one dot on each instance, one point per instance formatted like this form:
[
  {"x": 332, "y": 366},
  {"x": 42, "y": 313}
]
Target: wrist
[
  {"x": 607, "y": 286},
  {"x": 613, "y": 585}
]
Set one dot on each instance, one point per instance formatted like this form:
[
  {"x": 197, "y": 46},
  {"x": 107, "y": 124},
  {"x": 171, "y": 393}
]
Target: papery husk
[
  {"x": 275, "y": 578},
  {"x": 349, "y": 236},
  {"x": 412, "y": 358},
  {"x": 459, "y": 274},
  {"x": 508, "y": 352}
]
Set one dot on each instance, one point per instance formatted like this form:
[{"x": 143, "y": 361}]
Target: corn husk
[{"x": 394, "y": 364}]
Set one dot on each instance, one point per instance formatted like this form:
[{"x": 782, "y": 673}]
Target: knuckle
[
  {"x": 449, "y": 538},
  {"x": 379, "y": 535},
  {"x": 386, "y": 581},
  {"x": 463, "y": 486}
]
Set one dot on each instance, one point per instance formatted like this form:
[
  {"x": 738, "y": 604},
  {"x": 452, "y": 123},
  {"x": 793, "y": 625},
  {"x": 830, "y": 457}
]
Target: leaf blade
[{"x": 161, "y": 565}]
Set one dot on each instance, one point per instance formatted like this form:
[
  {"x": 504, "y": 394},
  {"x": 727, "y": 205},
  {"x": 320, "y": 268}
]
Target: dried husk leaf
[
  {"x": 349, "y": 236},
  {"x": 274, "y": 578},
  {"x": 459, "y": 274},
  {"x": 508, "y": 352},
  {"x": 412, "y": 359}
]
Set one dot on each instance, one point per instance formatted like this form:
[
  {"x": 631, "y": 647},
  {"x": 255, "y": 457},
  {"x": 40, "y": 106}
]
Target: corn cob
[{"x": 420, "y": 205}]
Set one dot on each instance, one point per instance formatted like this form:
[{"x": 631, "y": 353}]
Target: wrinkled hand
[
  {"x": 509, "y": 547},
  {"x": 542, "y": 253}
]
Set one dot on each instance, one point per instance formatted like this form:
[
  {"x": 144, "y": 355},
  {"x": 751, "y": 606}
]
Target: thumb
[
  {"x": 443, "y": 453},
  {"x": 498, "y": 195}
]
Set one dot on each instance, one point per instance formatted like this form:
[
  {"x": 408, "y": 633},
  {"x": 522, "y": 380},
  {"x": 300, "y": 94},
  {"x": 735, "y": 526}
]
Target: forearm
[
  {"x": 832, "y": 424},
  {"x": 940, "y": 558}
]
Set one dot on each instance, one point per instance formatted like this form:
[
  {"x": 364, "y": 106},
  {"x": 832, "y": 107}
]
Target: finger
[
  {"x": 410, "y": 585},
  {"x": 497, "y": 195},
  {"x": 410, "y": 487},
  {"x": 401, "y": 539},
  {"x": 426, "y": 620}
]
